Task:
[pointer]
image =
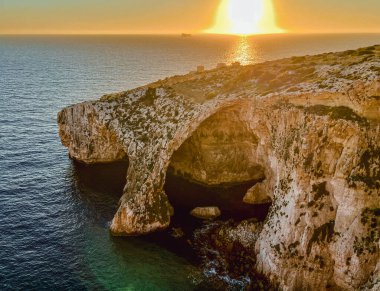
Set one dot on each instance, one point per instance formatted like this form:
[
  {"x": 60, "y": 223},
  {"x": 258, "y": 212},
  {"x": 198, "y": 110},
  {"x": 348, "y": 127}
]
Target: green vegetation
[
  {"x": 324, "y": 233},
  {"x": 365, "y": 51},
  {"x": 375, "y": 68},
  {"x": 338, "y": 112},
  {"x": 370, "y": 219},
  {"x": 366, "y": 244},
  {"x": 91, "y": 148},
  {"x": 368, "y": 169},
  {"x": 114, "y": 96},
  {"x": 308, "y": 161},
  {"x": 360, "y": 52},
  {"x": 319, "y": 260},
  {"x": 300, "y": 59},
  {"x": 211, "y": 95},
  {"x": 148, "y": 98},
  {"x": 107, "y": 98},
  {"x": 320, "y": 190},
  {"x": 288, "y": 76},
  {"x": 370, "y": 215}
]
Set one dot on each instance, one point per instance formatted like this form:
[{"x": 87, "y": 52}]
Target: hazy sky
[{"x": 174, "y": 16}]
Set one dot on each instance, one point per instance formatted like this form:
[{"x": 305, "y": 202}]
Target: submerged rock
[
  {"x": 177, "y": 232},
  {"x": 210, "y": 212},
  {"x": 307, "y": 125}
]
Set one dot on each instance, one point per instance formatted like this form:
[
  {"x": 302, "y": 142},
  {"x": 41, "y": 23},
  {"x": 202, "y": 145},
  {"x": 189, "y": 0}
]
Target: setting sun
[
  {"x": 190, "y": 145},
  {"x": 245, "y": 17}
]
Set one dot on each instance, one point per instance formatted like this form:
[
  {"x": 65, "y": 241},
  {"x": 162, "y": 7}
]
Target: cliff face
[
  {"x": 308, "y": 128},
  {"x": 88, "y": 139}
]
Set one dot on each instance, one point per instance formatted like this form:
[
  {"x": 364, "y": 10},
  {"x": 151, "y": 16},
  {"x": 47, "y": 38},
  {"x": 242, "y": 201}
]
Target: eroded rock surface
[{"x": 307, "y": 127}]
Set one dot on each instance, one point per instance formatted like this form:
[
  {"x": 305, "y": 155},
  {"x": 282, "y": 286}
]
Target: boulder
[{"x": 210, "y": 212}]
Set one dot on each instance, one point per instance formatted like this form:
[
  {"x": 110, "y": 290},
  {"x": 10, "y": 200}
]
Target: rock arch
[
  {"x": 144, "y": 206},
  {"x": 317, "y": 122}
]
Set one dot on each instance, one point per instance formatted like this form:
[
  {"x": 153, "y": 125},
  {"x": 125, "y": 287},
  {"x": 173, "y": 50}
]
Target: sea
[{"x": 54, "y": 213}]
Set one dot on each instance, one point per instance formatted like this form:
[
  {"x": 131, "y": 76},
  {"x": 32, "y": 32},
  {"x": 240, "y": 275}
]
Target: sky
[{"x": 176, "y": 16}]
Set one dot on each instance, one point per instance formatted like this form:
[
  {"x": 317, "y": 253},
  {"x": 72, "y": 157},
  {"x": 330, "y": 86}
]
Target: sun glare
[{"x": 245, "y": 17}]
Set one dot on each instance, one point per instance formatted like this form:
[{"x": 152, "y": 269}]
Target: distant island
[
  {"x": 186, "y": 35},
  {"x": 305, "y": 128}
]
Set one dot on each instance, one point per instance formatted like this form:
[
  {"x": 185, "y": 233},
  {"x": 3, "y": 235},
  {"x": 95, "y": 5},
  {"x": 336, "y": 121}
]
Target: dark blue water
[{"x": 54, "y": 214}]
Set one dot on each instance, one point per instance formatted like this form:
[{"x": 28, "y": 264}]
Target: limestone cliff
[{"x": 307, "y": 127}]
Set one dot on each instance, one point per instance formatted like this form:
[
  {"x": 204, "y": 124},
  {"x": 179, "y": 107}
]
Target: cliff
[{"x": 306, "y": 127}]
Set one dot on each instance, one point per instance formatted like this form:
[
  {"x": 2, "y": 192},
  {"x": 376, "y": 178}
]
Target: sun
[{"x": 245, "y": 17}]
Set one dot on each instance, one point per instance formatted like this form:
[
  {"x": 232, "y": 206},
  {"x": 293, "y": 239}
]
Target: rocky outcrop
[
  {"x": 307, "y": 128},
  {"x": 258, "y": 194},
  {"x": 210, "y": 212},
  {"x": 85, "y": 135}
]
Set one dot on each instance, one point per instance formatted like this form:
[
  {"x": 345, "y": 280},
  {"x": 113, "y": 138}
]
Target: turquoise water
[
  {"x": 54, "y": 215},
  {"x": 135, "y": 265}
]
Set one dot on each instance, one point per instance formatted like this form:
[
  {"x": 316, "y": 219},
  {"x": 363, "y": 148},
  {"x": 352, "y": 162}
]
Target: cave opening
[
  {"x": 217, "y": 166},
  {"x": 185, "y": 195},
  {"x": 99, "y": 187},
  {"x": 101, "y": 178}
]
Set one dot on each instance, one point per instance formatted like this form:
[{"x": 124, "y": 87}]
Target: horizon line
[{"x": 180, "y": 33}]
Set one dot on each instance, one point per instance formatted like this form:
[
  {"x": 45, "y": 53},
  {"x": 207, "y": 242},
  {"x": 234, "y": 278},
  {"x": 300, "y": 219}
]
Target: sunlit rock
[
  {"x": 258, "y": 194},
  {"x": 209, "y": 212}
]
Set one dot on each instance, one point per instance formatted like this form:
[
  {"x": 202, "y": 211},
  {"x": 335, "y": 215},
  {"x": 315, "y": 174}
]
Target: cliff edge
[{"x": 307, "y": 127}]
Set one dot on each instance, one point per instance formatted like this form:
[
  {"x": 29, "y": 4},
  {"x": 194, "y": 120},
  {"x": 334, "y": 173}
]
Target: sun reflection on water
[{"x": 243, "y": 52}]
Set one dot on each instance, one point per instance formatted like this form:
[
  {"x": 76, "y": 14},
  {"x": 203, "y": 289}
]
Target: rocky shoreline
[
  {"x": 306, "y": 127},
  {"x": 226, "y": 262}
]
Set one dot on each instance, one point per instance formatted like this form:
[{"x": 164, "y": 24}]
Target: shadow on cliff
[
  {"x": 108, "y": 178},
  {"x": 98, "y": 188},
  {"x": 102, "y": 184}
]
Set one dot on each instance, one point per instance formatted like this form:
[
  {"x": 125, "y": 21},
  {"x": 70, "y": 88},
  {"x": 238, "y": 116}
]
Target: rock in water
[
  {"x": 307, "y": 126},
  {"x": 210, "y": 212},
  {"x": 177, "y": 232}
]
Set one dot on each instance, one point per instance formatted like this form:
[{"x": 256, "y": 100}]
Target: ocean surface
[{"x": 54, "y": 214}]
